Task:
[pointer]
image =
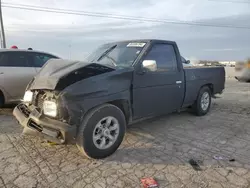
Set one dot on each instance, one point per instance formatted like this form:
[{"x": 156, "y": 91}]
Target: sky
[{"x": 75, "y": 36}]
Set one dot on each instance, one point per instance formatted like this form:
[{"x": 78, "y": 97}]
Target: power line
[
  {"x": 115, "y": 16},
  {"x": 215, "y": 1},
  {"x": 228, "y": 1},
  {"x": 3, "y": 42}
]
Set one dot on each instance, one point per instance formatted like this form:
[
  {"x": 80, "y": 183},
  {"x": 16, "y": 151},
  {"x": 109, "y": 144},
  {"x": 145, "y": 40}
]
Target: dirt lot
[{"x": 161, "y": 148}]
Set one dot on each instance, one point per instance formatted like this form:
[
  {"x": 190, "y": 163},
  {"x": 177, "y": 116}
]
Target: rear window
[
  {"x": 15, "y": 59},
  {"x": 40, "y": 59},
  {"x": 24, "y": 59}
]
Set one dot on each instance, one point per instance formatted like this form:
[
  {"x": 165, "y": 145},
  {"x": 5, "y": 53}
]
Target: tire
[
  {"x": 1, "y": 100},
  {"x": 90, "y": 128},
  {"x": 198, "y": 107}
]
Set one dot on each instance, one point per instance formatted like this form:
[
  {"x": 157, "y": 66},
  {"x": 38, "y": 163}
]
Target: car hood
[{"x": 58, "y": 73}]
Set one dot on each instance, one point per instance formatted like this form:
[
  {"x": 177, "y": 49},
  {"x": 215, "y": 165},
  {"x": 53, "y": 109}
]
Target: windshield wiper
[
  {"x": 112, "y": 60},
  {"x": 106, "y": 52}
]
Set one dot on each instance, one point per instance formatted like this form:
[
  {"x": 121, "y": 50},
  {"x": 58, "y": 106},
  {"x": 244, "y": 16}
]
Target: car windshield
[{"x": 121, "y": 54}]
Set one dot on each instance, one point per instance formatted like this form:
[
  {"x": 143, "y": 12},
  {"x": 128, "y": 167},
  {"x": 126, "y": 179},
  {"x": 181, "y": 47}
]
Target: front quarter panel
[{"x": 86, "y": 94}]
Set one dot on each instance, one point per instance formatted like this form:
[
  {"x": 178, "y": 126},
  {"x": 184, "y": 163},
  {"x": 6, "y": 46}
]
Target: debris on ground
[
  {"x": 195, "y": 164},
  {"x": 49, "y": 143},
  {"x": 216, "y": 157},
  {"x": 149, "y": 183}
]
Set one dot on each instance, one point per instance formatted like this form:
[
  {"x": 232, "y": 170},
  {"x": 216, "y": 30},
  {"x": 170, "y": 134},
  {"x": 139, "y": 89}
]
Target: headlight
[
  {"x": 50, "y": 108},
  {"x": 28, "y": 96}
]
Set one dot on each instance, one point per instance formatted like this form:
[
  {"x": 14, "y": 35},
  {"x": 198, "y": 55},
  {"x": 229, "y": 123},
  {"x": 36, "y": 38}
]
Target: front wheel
[
  {"x": 203, "y": 102},
  {"x": 101, "y": 131}
]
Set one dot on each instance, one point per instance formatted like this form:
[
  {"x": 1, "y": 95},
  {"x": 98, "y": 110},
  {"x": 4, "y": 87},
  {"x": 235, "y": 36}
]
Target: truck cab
[{"x": 91, "y": 102}]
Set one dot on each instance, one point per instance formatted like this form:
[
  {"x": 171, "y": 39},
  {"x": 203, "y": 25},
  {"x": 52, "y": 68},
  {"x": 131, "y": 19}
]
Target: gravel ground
[{"x": 178, "y": 150}]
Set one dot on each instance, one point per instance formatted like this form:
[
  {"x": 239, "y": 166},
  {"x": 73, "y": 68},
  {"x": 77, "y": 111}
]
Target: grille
[{"x": 38, "y": 99}]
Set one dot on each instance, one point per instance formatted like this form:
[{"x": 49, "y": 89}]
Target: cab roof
[{"x": 142, "y": 40}]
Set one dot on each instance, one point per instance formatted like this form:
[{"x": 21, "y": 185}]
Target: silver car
[
  {"x": 17, "y": 68},
  {"x": 242, "y": 71}
]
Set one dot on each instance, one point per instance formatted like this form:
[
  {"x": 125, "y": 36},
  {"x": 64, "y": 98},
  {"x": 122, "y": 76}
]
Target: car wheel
[
  {"x": 101, "y": 131},
  {"x": 203, "y": 102}
]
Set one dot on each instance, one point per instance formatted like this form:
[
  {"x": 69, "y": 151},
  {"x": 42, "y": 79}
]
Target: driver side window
[{"x": 165, "y": 57}]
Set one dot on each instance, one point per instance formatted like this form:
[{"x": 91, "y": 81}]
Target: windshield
[{"x": 121, "y": 54}]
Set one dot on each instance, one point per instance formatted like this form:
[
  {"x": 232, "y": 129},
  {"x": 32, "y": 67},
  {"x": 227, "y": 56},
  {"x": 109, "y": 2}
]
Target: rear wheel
[
  {"x": 101, "y": 131},
  {"x": 203, "y": 102}
]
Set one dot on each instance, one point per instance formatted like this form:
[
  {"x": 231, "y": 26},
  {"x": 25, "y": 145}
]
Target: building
[{"x": 228, "y": 63}]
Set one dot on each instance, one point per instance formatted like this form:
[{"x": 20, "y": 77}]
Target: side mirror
[
  {"x": 149, "y": 65},
  {"x": 187, "y": 62}
]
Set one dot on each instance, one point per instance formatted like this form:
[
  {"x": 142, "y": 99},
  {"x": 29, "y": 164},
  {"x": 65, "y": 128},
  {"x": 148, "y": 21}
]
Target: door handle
[
  {"x": 178, "y": 82},
  {"x": 1, "y": 73}
]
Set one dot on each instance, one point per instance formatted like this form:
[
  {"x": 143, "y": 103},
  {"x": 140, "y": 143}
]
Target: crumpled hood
[{"x": 56, "y": 69}]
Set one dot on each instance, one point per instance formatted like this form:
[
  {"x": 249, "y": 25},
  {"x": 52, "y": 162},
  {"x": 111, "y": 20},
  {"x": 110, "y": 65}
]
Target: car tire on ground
[
  {"x": 203, "y": 102},
  {"x": 101, "y": 131}
]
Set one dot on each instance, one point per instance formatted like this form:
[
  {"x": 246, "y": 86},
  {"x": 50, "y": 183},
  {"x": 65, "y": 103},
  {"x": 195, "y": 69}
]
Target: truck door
[{"x": 160, "y": 91}]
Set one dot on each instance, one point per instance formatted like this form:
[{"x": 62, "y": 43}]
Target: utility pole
[{"x": 3, "y": 43}]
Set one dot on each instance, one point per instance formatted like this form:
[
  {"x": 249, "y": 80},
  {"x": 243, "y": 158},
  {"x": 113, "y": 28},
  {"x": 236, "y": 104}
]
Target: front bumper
[{"x": 37, "y": 124}]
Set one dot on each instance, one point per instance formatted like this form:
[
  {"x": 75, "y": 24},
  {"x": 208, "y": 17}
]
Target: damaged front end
[
  {"x": 50, "y": 109},
  {"x": 45, "y": 117},
  {"x": 45, "y": 112}
]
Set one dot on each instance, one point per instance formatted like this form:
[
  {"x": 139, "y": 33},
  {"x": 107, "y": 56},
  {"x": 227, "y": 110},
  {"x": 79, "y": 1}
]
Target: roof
[
  {"x": 146, "y": 40},
  {"x": 24, "y": 50},
  {"x": 142, "y": 40}
]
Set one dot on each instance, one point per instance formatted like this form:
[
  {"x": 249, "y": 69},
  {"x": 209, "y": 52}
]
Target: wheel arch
[
  {"x": 210, "y": 86},
  {"x": 124, "y": 106}
]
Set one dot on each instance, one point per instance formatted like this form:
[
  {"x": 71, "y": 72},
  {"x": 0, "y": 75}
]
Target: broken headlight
[
  {"x": 28, "y": 96},
  {"x": 50, "y": 108}
]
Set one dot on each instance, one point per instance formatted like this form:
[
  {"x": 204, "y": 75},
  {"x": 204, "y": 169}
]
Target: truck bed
[{"x": 196, "y": 77}]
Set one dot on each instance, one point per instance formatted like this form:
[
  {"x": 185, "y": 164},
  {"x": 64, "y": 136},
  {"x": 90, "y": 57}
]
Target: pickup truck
[{"x": 90, "y": 103}]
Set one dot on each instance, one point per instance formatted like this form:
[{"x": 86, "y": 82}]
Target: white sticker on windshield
[{"x": 136, "y": 44}]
